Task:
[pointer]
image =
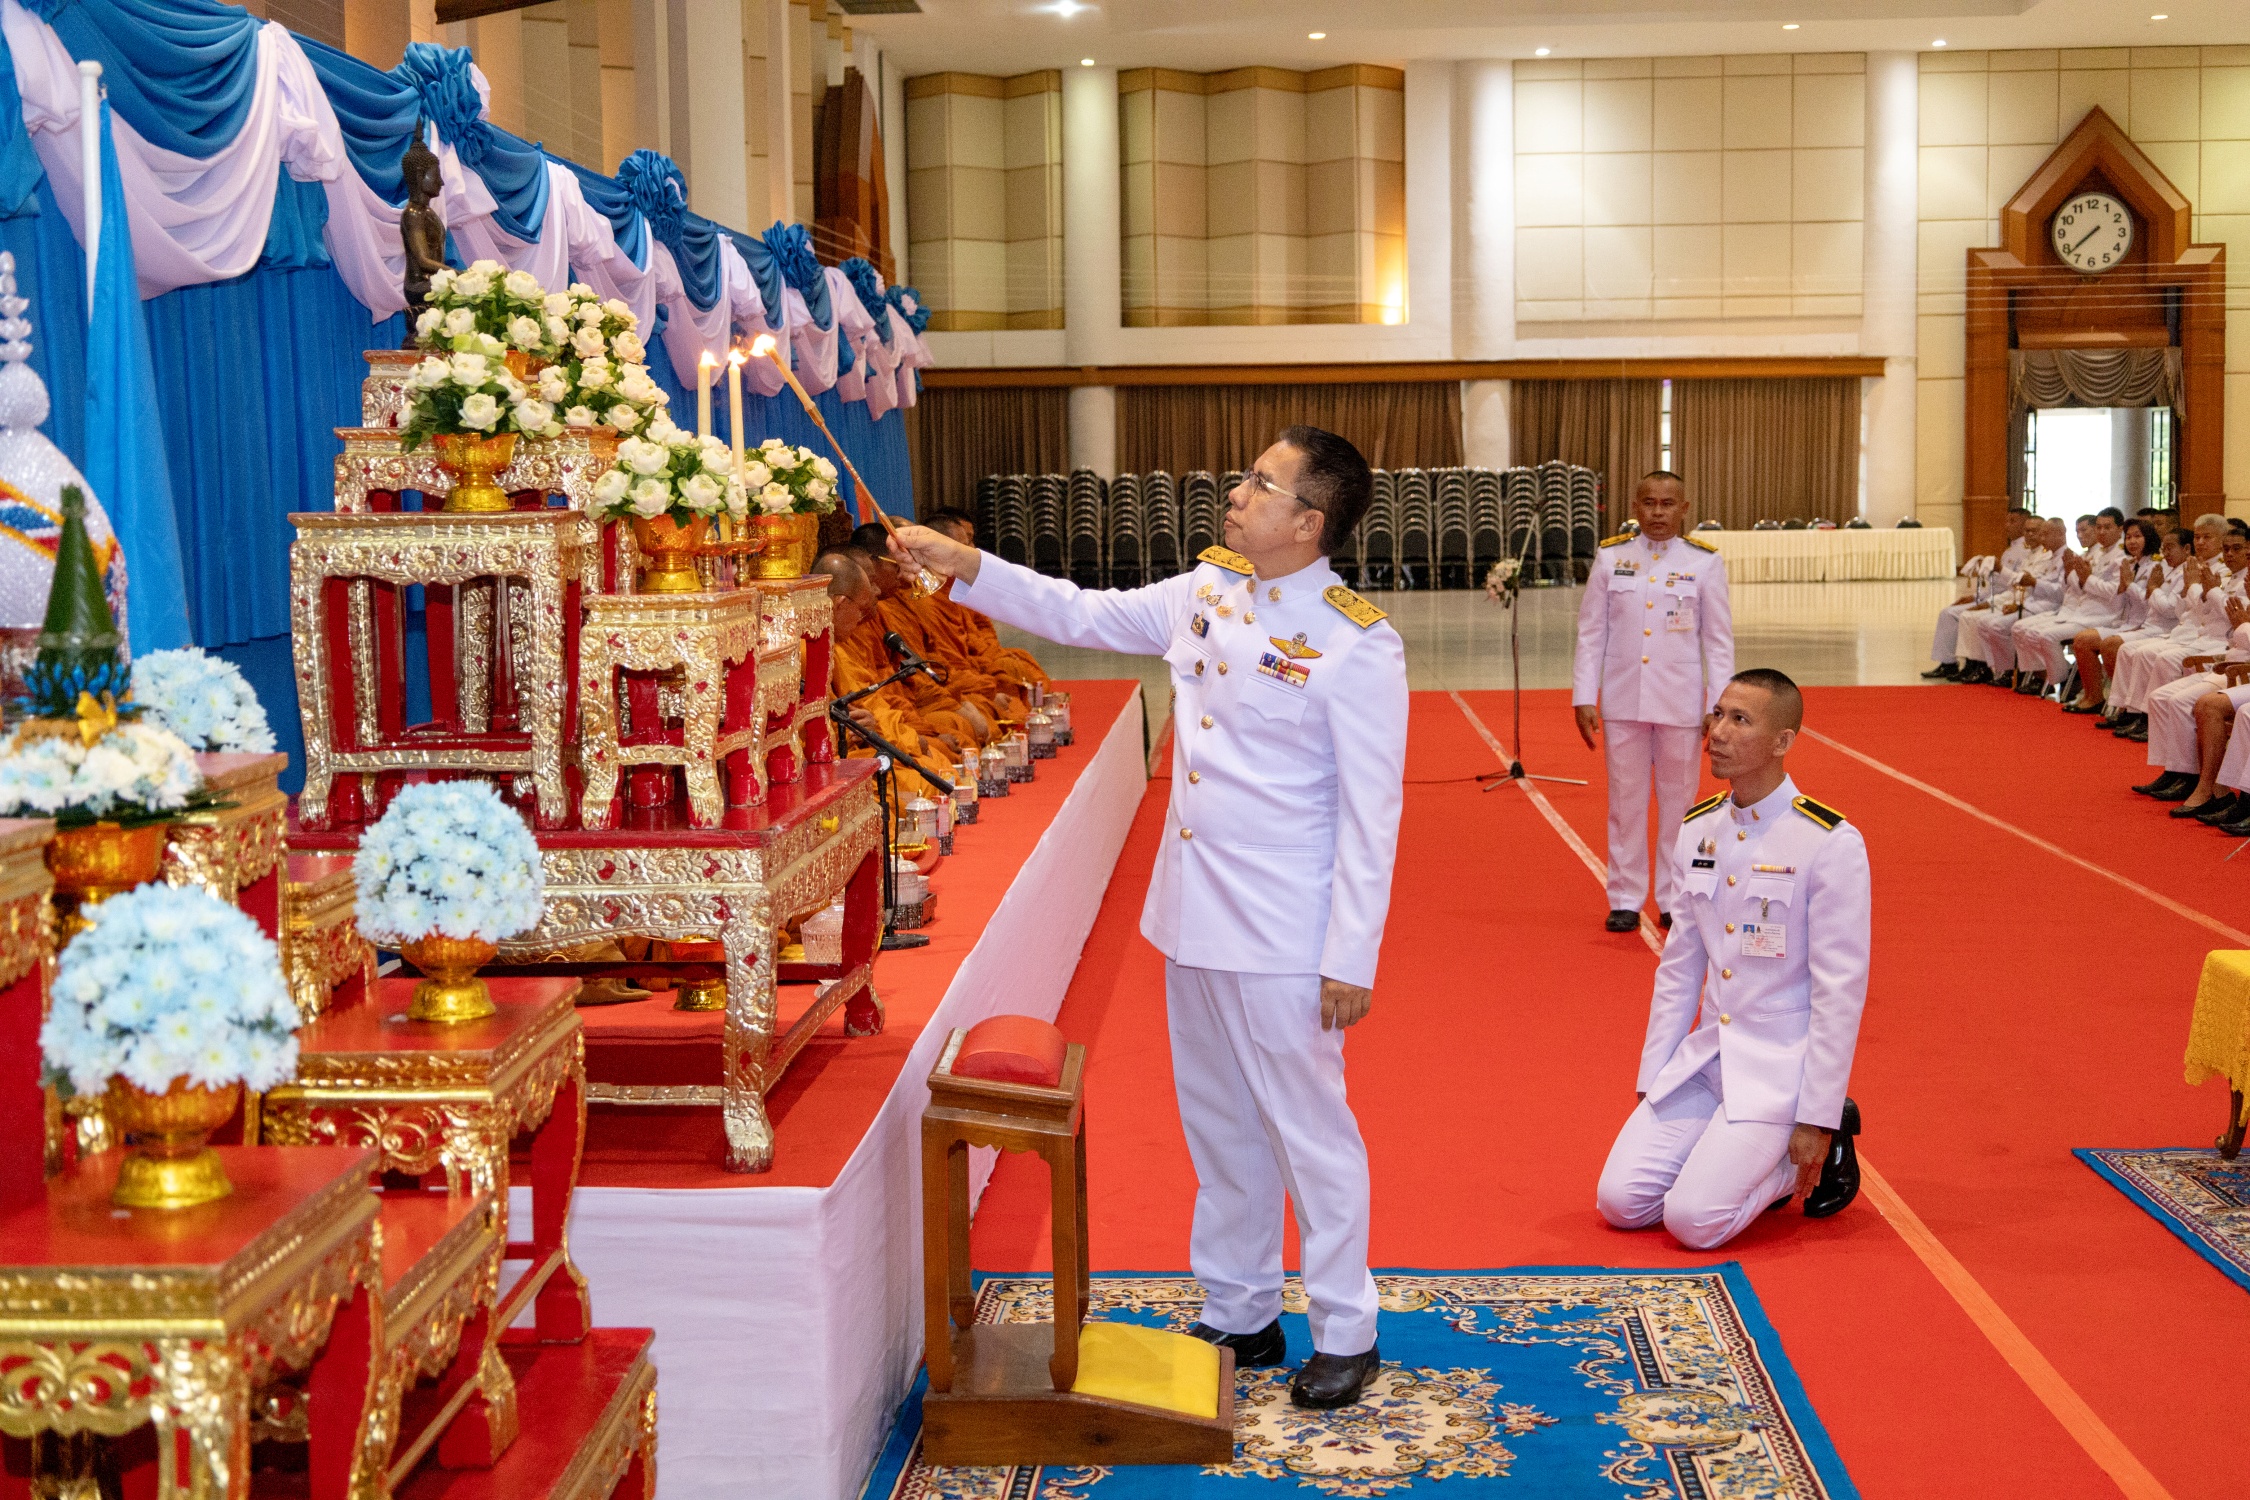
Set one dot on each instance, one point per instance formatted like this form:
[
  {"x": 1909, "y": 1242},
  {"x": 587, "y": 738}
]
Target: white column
[
  {"x": 1093, "y": 429},
  {"x": 1092, "y": 265},
  {"x": 1484, "y": 250},
  {"x": 1429, "y": 206},
  {"x": 1888, "y": 258},
  {"x": 717, "y": 174},
  {"x": 894, "y": 162},
  {"x": 781, "y": 147}
]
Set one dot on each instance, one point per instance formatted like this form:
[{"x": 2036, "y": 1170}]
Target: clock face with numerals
[{"x": 2092, "y": 232}]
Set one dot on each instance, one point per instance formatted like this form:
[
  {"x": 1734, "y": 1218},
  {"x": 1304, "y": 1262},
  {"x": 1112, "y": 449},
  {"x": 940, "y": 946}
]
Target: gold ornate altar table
[
  {"x": 232, "y": 850},
  {"x": 736, "y": 884},
  {"x": 110, "y": 1319},
  {"x": 707, "y": 645}
]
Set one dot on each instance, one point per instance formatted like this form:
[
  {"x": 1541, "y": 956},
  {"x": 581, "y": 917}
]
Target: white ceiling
[{"x": 1018, "y": 36}]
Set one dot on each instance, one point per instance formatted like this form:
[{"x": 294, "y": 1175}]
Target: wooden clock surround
[{"x": 2165, "y": 291}]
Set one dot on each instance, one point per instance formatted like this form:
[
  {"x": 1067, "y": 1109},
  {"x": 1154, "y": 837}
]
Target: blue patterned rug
[
  {"x": 1542, "y": 1382},
  {"x": 2200, "y": 1198}
]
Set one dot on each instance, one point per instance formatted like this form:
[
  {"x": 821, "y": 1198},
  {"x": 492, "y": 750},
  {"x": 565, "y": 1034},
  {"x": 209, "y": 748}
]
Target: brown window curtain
[
  {"x": 1759, "y": 450},
  {"x": 1182, "y": 428},
  {"x": 956, "y": 436},
  {"x": 1608, "y": 426}
]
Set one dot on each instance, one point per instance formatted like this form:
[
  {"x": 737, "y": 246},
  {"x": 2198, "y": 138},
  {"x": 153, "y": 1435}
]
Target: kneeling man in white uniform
[
  {"x": 1273, "y": 880},
  {"x": 1756, "y": 1012}
]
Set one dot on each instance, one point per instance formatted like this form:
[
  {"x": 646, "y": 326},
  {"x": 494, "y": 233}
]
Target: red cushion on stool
[{"x": 1012, "y": 1049}]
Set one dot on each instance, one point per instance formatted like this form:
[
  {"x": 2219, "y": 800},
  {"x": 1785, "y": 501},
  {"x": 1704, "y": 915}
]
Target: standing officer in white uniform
[
  {"x": 1655, "y": 645},
  {"x": 1755, "y": 1013},
  {"x": 1273, "y": 880}
]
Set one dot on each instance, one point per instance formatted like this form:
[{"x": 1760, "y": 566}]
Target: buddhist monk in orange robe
[
  {"x": 961, "y": 631},
  {"x": 887, "y": 711}
]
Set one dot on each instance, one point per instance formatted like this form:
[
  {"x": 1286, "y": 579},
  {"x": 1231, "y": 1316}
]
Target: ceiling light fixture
[
  {"x": 1789, "y": 26},
  {"x": 2160, "y": 18},
  {"x": 1085, "y": 62},
  {"x": 1541, "y": 51},
  {"x": 1068, "y": 8},
  {"x": 1939, "y": 42},
  {"x": 1316, "y": 36}
]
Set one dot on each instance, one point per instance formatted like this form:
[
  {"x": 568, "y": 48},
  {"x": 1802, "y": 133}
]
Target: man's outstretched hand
[{"x": 942, "y": 555}]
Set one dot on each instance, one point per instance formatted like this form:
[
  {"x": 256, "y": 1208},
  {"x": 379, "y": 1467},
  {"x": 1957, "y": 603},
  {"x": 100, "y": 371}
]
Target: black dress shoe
[
  {"x": 1664, "y": 920},
  {"x": 1327, "y": 1381},
  {"x": 2218, "y": 809},
  {"x": 2125, "y": 723},
  {"x": 1839, "y": 1172},
  {"x": 1975, "y": 671},
  {"x": 2185, "y": 811},
  {"x": 1622, "y": 921},
  {"x": 1252, "y": 1351},
  {"x": 2138, "y": 734},
  {"x": 2179, "y": 791},
  {"x": 1944, "y": 671},
  {"x": 2031, "y": 684},
  {"x": 2164, "y": 783},
  {"x": 2085, "y": 708},
  {"x": 2237, "y": 826}
]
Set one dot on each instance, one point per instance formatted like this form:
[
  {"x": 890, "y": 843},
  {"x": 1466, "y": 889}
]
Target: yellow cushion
[{"x": 1148, "y": 1367}]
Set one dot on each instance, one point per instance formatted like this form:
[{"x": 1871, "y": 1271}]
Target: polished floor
[{"x": 1822, "y": 634}]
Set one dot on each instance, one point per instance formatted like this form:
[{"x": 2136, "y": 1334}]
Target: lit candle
[
  {"x": 735, "y": 357},
  {"x": 703, "y": 369}
]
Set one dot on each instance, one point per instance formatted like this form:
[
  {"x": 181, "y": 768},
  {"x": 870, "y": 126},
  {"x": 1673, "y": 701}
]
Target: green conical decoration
[{"x": 79, "y": 647}]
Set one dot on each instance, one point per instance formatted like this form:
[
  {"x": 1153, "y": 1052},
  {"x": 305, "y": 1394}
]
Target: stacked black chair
[
  {"x": 1227, "y": 483},
  {"x": 1200, "y": 526},
  {"x": 1585, "y": 520},
  {"x": 1084, "y": 504},
  {"x": 1128, "y": 533},
  {"x": 1553, "y": 479},
  {"x": 1160, "y": 504},
  {"x": 1048, "y": 494},
  {"x": 1417, "y": 528},
  {"x": 1487, "y": 542},
  {"x": 1519, "y": 496},
  {"x": 987, "y": 511},
  {"x": 1011, "y": 518},
  {"x": 1378, "y": 553}
]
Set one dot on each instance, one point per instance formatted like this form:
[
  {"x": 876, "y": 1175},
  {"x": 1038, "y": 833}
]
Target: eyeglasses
[{"x": 1258, "y": 482}]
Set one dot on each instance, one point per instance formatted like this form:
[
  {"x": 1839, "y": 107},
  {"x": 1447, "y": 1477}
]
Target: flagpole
[{"x": 90, "y": 167}]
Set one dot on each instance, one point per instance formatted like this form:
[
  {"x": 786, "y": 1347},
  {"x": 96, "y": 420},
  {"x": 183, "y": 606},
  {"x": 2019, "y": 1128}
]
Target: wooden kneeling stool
[{"x": 1070, "y": 1392}]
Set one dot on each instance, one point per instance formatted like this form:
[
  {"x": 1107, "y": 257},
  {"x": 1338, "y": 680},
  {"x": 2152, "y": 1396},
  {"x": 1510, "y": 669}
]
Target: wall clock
[{"x": 2091, "y": 232}]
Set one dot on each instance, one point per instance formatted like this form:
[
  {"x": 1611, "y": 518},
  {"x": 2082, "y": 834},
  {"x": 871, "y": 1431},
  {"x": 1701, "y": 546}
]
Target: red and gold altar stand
[
  {"x": 234, "y": 850},
  {"x": 27, "y": 953},
  {"x": 116, "y": 1320}
]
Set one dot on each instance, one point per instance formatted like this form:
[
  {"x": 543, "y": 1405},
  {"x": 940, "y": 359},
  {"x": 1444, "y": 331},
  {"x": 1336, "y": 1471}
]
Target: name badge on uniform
[
  {"x": 1765, "y": 940},
  {"x": 1703, "y": 864},
  {"x": 1282, "y": 669},
  {"x": 1679, "y": 612},
  {"x": 1627, "y": 569},
  {"x": 1199, "y": 625}
]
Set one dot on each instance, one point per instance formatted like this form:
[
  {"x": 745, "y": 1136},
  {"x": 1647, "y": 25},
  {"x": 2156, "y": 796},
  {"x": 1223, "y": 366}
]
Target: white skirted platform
[
  {"x": 789, "y": 1319},
  {"x": 1838, "y": 556}
]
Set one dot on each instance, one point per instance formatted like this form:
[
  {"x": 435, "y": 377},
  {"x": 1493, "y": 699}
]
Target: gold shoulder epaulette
[
  {"x": 1220, "y": 557},
  {"x": 1618, "y": 540},
  {"x": 1695, "y": 541},
  {"x": 1821, "y": 813},
  {"x": 1351, "y": 606},
  {"x": 1708, "y": 804}
]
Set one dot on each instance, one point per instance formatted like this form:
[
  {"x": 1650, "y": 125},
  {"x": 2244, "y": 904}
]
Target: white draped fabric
[
  {"x": 197, "y": 220},
  {"x": 1834, "y": 556}
]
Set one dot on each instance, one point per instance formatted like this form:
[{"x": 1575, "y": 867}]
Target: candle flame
[
  {"x": 763, "y": 345},
  {"x": 737, "y": 358},
  {"x": 707, "y": 361}
]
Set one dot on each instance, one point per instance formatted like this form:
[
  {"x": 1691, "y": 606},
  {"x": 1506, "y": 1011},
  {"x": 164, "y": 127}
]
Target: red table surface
[
  {"x": 413, "y": 1224},
  {"x": 76, "y": 1225},
  {"x": 380, "y": 1025}
]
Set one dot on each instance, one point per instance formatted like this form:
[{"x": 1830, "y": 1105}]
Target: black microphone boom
[{"x": 907, "y": 658}]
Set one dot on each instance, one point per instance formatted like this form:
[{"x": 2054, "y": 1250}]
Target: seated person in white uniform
[
  {"x": 1981, "y": 577},
  {"x": 1988, "y": 643},
  {"x": 1755, "y": 1014},
  {"x": 2144, "y": 665},
  {"x": 2148, "y": 605},
  {"x": 2225, "y": 615},
  {"x": 2089, "y": 598}
]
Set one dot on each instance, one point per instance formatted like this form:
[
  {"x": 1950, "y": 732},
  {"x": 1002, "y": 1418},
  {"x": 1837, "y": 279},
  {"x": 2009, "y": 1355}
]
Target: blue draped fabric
[
  {"x": 125, "y": 448},
  {"x": 898, "y": 297},
  {"x": 866, "y": 284},
  {"x": 20, "y": 172},
  {"x": 300, "y": 213},
  {"x": 376, "y": 111},
  {"x": 765, "y": 273},
  {"x": 181, "y": 72},
  {"x": 607, "y": 197},
  {"x": 792, "y": 248}
]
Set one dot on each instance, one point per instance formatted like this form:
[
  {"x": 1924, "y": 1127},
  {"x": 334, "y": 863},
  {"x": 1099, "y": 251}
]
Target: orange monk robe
[
  {"x": 851, "y": 673},
  {"x": 970, "y": 634},
  {"x": 929, "y": 708},
  {"x": 964, "y": 680}
]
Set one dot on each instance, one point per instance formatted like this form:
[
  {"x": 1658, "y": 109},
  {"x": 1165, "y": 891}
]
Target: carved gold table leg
[{"x": 749, "y": 1033}]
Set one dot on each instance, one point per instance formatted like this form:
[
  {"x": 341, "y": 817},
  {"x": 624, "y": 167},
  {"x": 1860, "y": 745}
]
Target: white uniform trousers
[
  {"x": 1638, "y": 754},
  {"x": 2144, "y": 665},
  {"x": 2041, "y": 645},
  {"x": 2234, "y": 769},
  {"x": 1261, "y": 1091},
  {"x": 1683, "y": 1161},
  {"x": 1972, "y": 633},
  {"x": 2171, "y": 720},
  {"x": 1945, "y": 641}
]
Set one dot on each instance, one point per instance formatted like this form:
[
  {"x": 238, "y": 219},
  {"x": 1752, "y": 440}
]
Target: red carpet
[
  {"x": 2021, "y": 1006},
  {"x": 829, "y": 1097}
]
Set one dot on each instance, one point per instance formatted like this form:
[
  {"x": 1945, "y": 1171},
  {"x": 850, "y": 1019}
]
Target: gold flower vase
[
  {"x": 791, "y": 543},
  {"x": 450, "y": 992},
  {"x": 98, "y": 861},
  {"x": 472, "y": 459},
  {"x": 668, "y": 552},
  {"x": 168, "y": 1163}
]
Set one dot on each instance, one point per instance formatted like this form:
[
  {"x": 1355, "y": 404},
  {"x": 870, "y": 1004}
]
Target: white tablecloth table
[{"x": 1834, "y": 556}]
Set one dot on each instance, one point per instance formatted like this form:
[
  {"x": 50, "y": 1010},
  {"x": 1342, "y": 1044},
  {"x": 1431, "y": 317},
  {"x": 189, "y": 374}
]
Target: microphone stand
[
  {"x": 887, "y": 755},
  {"x": 1515, "y": 771}
]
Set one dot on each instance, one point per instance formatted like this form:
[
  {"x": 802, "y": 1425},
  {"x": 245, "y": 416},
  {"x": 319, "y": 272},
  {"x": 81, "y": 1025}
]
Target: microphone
[{"x": 907, "y": 658}]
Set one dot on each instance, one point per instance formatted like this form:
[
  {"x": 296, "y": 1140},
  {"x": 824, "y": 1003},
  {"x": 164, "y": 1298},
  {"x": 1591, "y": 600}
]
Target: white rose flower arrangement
[
  {"x": 602, "y": 363},
  {"x": 170, "y": 982},
  {"x": 133, "y": 773},
  {"x": 448, "y": 857},
  {"x": 474, "y": 393},
  {"x": 487, "y": 301},
  {"x": 670, "y": 472},
  {"x": 203, "y": 699},
  {"x": 783, "y": 480}
]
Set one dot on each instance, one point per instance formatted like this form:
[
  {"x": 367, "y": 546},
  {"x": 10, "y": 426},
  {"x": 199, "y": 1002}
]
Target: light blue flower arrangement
[
  {"x": 170, "y": 982},
  {"x": 203, "y": 699},
  {"x": 448, "y": 857}
]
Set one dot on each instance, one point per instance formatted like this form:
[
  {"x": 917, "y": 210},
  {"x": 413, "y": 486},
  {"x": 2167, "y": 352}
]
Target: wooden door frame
[{"x": 2025, "y": 262}]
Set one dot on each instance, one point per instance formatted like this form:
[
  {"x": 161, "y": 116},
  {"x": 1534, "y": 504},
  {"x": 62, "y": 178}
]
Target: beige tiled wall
[
  {"x": 984, "y": 198},
  {"x": 1688, "y": 188},
  {"x": 1988, "y": 119},
  {"x": 1262, "y": 195}
]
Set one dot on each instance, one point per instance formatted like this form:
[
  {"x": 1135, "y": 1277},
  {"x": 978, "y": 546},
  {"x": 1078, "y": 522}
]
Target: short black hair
[
  {"x": 871, "y": 539},
  {"x": 1786, "y": 696},
  {"x": 2147, "y": 529},
  {"x": 2112, "y": 512},
  {"x": 2238, "y": 526},
  {"x": 2183, "y": 536},
  {"x": 1661, "y": 474},
  {"x": 1337, "y": 482},
  {"x": 950, "y": 515}
]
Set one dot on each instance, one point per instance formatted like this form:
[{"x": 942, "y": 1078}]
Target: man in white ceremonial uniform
[
  {"x": 1981, "y": 578},
  {"x": 1755, "y": 1012},
  {"x": 2089, "y": 597},
  {"x": 1655, "y": 645},
  {"x": 2223, "y": 612},
  {"x": 1273, "y": 880},
  {"x": 1988, "y": 640}
]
